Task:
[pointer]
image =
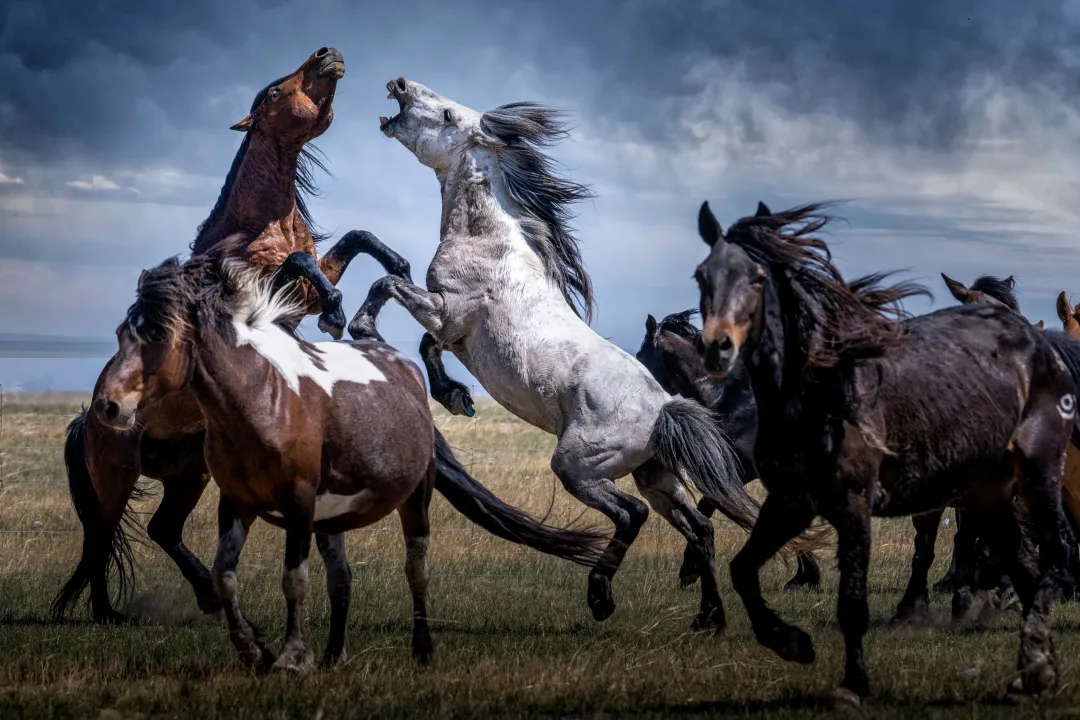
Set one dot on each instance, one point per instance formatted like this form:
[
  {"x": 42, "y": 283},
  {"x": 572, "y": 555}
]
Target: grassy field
[{"x": 512, "y": 632}]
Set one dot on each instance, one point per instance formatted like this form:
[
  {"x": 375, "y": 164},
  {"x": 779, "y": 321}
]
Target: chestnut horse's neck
[
  {"x": 1072, "y": 327},
  {"x": 259, "y": 198}
]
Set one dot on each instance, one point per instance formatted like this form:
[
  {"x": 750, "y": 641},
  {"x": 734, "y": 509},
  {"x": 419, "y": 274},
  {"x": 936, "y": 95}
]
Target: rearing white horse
[{"x": 500, "y": 296}]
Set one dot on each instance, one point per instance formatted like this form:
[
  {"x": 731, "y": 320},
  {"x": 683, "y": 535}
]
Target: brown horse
[
  {"x": 314, "y": 438},
  {"x": 261, "y": 219},
  {"x": 1069, "y": 315}
]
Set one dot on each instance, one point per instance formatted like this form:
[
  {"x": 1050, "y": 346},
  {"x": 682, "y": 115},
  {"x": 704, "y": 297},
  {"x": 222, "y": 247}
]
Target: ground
[{"x": 512, "y": 632}]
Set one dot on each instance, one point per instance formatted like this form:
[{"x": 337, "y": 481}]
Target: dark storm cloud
[{"x": 124, "y": 83}]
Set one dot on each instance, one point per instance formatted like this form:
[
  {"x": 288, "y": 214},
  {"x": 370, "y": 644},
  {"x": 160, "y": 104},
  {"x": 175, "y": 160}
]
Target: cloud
[
  {"x": 5, "y": 180},
  {"x": 98, "y": 182}
]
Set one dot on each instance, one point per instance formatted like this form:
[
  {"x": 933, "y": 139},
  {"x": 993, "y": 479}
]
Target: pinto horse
[
  {"x": 669, "y": 351},
  {"x": 862, "y": 412},
  {"x": 314, "y": 438},
  {"x": 260, "y": 219}
]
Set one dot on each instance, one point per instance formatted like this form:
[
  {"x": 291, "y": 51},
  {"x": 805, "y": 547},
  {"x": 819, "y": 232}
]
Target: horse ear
[
  {"x": 650, "y": 326},
  {"x": 1011, "y": 282},
  {"x": 762, "y": 210},
  {"x": 244, "y": 125},
  {"x": 958, "y": 289},
  {"x": 1064, "y": 310},
  {"x": 1040, "y": 325},
  {"x": 708, "y": 226}
]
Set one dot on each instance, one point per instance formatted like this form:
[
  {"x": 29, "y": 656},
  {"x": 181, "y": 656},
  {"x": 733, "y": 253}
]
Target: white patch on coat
[{"x": 343, "y": 362}]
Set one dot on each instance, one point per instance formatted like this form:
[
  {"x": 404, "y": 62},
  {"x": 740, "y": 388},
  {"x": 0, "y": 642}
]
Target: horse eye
[
  {"x": 448, "y": 116},
  {"x": 273, "y": 94}
]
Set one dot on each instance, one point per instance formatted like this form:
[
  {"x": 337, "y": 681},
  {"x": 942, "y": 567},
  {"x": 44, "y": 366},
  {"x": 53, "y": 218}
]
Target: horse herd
[{"x": 843, "y": 405}]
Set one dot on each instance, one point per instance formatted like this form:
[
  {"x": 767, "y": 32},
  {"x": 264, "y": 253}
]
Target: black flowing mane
[
  {"x": 543, "y": 196},
  {"x": 679, "y": 324},
  {"x": 833, "y": 319}
]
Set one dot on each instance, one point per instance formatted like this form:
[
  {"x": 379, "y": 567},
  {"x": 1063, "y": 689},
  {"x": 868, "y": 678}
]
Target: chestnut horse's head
[
  {"x": 1069, "y": 315},
  {"x": 299, "y": 106},
  {"x": 154, "y": 358}
]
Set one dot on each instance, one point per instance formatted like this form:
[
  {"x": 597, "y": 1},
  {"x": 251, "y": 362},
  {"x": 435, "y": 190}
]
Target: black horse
[
  {"x": 669, "y": 351},
  {"x": 862, "y": 411}
]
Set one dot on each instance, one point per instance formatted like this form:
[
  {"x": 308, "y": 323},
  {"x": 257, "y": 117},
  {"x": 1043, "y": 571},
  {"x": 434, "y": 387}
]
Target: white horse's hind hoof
[{"x": 843, "y": 699}]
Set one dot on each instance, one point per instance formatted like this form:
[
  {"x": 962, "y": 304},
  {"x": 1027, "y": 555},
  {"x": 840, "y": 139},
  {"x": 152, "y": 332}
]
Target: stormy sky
[{"x": 952, "y": 130}]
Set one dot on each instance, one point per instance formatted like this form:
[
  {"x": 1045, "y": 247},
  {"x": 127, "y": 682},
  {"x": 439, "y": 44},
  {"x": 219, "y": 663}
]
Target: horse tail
[
  {"x": 102, "y": 549},
  {"x": 581, "y": 545},
  {"x": 689, "y": 441}
]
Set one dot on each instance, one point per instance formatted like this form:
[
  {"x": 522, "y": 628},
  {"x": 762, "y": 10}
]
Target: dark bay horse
[
  {"x": 669, "y": 351},
  {"x": 862, "y": 412},
  {"x": 260, "y": 219},
  {"x": 314, "y": 438}
]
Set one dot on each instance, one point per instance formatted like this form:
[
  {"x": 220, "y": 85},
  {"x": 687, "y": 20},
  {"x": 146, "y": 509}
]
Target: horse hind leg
[
  {"x": 1039, "y": 447},
  {"x": 626, "y": 512},
  {"x": 667, "y": 496},
  {"x": 339, "y": 590},
  {"x": 416, "y": 526}
]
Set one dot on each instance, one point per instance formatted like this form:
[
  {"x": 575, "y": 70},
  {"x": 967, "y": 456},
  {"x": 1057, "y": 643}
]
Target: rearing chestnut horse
[{"x": 260, "y": 219}]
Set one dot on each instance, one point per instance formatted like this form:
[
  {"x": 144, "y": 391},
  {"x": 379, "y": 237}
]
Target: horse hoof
[
  {"x": 110, "y": 617},
  {"x": 709, "y": 620},
  {"x": 364, "y": 329},
  {"x": 333, "y": 323},
  {"x": 294, "y": 663},
  {"x": 911, "y": 613},
  {"x": 423, "y": 656},
  {"x": 843, "y": 699},
  {"x": 796, "y": 647},
  {"x": 333, "y": 660},
  {"x": 601, "y": 601},
  {"x": 461, "y": 403}
]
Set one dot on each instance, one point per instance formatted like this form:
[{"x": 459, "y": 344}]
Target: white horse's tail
[{"x": 689, "y": 441}]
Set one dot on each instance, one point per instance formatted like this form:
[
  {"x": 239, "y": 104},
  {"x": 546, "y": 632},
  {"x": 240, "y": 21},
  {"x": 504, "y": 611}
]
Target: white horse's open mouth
[{"x": 392, "y": 93}]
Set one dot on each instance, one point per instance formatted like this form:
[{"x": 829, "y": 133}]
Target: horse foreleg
[
  {"x": 355, "y": 242},
  {"x": 425, "y": 307},
  {"x": 449, "y": 393},
  {"x": 233, "y": 526},
  {"x": 166, "y": 527},
  {"x": 916, "y": 601},
  {"x": 301, "y": 265}
]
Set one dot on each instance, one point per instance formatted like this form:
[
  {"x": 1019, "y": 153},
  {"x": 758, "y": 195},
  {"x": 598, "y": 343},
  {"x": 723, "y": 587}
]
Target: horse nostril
[
  {"x": 321, "y": 52},
  {"x": 726, "y": 346},
  {"x": 401, "y": 84},
  {"x": 111, "y": 410}
]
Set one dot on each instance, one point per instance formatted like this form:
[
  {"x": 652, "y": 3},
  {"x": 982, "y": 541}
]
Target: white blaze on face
[{"x": 341, "y": 362}]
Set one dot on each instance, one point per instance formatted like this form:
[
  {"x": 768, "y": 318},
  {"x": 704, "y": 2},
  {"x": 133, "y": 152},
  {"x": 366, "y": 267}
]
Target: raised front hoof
[
  {"x": 461, "y": 403},
  {"x": 791, "y": 644},
  {"x": 915, "y": 612},
  {"x": 332, "y": 322},
  {"x": 601, "y": 601},
  {"x": 690, "y": 572},
  {"x": 300, "y": 661},
  {"x": 363, "y": 328},
  {"x": 710, "y": 620},
  {"x": 845, "y": 700}
]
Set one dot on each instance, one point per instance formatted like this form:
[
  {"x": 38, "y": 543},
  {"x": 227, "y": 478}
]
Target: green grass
[{"x": 512, "y": 632}]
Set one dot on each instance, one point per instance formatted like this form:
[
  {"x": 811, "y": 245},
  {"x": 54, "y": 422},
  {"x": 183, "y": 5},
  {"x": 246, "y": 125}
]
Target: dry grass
[{"x": 513, "y": 635}]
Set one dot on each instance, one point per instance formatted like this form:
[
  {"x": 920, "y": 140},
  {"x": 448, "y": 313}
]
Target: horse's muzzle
[{"x": 332, "y": 63}]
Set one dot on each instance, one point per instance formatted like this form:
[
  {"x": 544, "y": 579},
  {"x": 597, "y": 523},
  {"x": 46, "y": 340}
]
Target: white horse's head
[{"x": 435, "y": 129}]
